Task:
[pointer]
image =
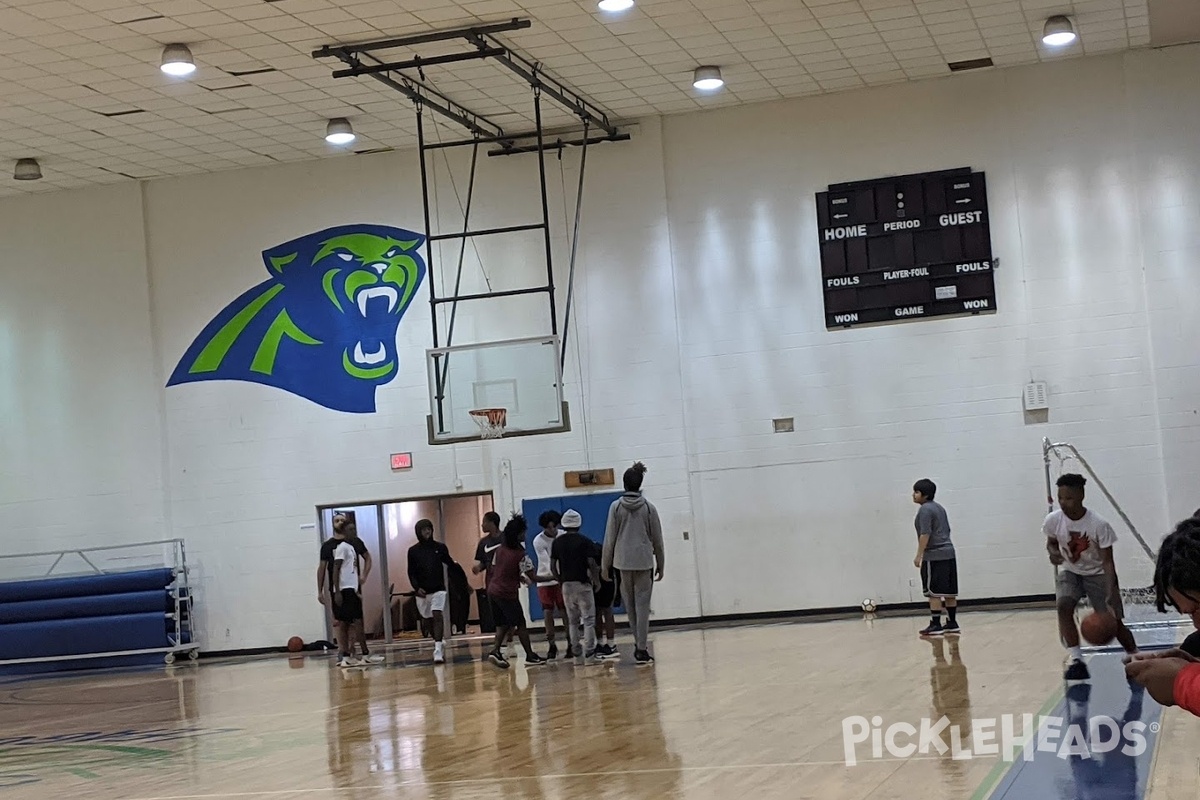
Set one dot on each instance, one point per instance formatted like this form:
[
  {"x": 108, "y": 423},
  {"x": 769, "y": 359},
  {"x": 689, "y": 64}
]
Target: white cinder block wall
[
  {"x": 1073, "y": 152},
  {"x": 80, "y": 424},
  {"x": 699, "y": 318}
]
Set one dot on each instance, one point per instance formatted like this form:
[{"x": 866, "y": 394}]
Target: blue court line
[{"x": 1122, "y": 773}]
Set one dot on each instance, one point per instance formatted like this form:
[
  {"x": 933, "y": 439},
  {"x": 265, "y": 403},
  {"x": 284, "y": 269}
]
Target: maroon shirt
[{"x": 505, "y": 581}]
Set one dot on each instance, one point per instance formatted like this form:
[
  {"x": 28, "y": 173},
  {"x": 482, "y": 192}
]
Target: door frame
[{"x": 383, "y": 569}]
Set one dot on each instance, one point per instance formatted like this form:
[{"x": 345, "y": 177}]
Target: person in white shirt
[
  {"x": 1080, "y": 543},
  {"x": 549, "y": 591},
  {"x": 344, "y": 590}
]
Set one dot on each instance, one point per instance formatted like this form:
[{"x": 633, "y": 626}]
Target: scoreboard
[{"x": 909, "y": 247}]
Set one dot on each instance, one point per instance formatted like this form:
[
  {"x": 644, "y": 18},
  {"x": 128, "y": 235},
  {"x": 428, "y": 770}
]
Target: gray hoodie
[{"x": 633, "y": 537}]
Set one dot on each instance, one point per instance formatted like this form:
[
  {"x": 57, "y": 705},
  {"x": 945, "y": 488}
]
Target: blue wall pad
[
  {"x": 65, "y": 637},
  {"x": 106, "y": 605},
  {"x": 84, "y": 585}
]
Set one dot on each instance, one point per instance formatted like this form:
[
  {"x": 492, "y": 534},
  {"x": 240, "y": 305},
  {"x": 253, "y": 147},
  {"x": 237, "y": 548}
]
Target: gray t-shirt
[{"x": 932, "y": 520}]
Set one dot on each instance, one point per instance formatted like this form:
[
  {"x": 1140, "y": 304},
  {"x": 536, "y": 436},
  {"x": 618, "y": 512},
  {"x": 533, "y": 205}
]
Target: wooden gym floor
[{"x": 726, "y": 712}]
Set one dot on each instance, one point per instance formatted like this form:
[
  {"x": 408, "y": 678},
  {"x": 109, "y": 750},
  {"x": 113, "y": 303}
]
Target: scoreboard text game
[{"x": 907, "y": 247}]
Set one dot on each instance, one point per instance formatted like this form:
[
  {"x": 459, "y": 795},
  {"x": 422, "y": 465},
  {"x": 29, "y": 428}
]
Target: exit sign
[{"x": 401, "y": 460}]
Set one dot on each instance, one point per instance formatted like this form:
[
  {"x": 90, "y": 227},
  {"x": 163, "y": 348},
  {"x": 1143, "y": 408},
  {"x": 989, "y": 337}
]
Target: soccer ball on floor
[{"x": 868, "y": 606}]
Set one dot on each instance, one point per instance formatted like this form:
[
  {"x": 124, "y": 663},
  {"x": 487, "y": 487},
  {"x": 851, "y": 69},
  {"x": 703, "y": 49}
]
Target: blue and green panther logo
[{"x": 323, "y": 326}]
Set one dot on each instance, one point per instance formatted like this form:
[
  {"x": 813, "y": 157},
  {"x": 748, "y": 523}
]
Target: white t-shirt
[
  {"x": 1080, "y": 540},
  {"x": 541, "y": 546},
  {"x": 348, "y": 578}
]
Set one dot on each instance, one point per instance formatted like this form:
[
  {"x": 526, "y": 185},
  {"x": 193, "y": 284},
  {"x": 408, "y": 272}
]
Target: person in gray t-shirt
[{"x": 936, "y": 560}]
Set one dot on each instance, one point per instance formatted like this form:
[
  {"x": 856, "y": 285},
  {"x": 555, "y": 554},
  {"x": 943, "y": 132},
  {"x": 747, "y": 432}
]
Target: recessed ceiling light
[
  {"x": 27, "y": 169},
  {"x": 707, "y": 79},
  {"x": 177, "y": 60},
  {"x": 612, "y": 6},
  {"x": 1058, "y": 32},
  {"x": 338, "y": 131}
]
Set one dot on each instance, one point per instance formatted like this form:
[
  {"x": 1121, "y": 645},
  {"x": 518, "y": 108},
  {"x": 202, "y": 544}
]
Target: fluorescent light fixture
[
  {"x": 177, "y": 60},
  {"x": 338, "y": 131},
  {"x": 27, "y": 169},
  {"x": 708, "y": 79},
  {"x": 613, "y": 6},
  {"x": 1058, "y": 32}
]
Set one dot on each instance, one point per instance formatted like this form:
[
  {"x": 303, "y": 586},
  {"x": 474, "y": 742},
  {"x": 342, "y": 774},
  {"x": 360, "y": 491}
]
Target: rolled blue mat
[
  {"x": 66, "y": 637},
  {"x": 85, "y": 585},
  {"x": 105, "y": 605}
]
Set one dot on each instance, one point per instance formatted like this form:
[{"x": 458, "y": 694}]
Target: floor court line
[{"x": 521, "y": 778}]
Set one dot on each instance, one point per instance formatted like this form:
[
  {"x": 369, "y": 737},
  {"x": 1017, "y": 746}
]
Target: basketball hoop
[{"x": 491, "y": 421}]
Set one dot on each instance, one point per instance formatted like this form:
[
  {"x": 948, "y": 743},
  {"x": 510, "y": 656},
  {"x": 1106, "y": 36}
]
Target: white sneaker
[
  {"x": 374, "y": 658},
  {"x": 348, "y": 661},
  {"x": 439, "y": 653}
]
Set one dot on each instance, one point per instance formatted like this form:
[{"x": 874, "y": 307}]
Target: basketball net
[{"x": 491, "y": 421}]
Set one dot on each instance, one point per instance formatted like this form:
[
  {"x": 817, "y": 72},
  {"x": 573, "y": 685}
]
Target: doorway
[{"x": 388, "y": 529}]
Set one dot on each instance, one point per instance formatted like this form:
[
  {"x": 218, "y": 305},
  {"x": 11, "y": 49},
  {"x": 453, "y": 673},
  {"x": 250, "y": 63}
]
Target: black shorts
[
  {"x": 350, "y": 609},
  {"x": 508, "y": 613},
  {"x": 940, "y": 578},
  {"x": 606, "y": 594}
]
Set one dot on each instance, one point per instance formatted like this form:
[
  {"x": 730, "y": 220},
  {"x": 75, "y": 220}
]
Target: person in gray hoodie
[{"x": 633, "y": 544}]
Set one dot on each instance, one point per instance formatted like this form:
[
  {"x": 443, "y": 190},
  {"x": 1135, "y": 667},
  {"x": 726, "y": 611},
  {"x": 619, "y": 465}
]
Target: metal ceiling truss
[{"x": 366, "y": 60}]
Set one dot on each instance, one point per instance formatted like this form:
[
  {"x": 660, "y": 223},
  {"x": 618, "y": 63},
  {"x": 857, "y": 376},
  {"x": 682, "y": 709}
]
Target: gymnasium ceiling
[{"x": 80, "y": 88}]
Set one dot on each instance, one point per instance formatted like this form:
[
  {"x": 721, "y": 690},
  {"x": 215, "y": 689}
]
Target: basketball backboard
[{"x": 522, "y": 376}]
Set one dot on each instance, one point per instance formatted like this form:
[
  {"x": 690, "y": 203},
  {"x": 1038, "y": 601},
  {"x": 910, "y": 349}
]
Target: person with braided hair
[{"x": 1173, "y": 676}]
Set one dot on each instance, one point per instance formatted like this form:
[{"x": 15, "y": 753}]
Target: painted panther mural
[{"x": 323, "y": 326}]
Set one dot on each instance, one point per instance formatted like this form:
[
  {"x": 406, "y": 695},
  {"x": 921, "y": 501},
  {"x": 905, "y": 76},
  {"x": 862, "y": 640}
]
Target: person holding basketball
[{"x": 1080, "y": 543}]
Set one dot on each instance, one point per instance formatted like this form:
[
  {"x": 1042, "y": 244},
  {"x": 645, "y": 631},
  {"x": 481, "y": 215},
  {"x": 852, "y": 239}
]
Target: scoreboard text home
[{"x": 905, "y": 247}]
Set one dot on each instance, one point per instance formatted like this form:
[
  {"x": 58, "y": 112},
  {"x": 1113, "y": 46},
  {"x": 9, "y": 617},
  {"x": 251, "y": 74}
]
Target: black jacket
[{"x": 425, "y": 560}]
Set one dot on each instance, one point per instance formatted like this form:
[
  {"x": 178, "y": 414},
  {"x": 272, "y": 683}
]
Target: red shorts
[{"x": 551, "y": 597}]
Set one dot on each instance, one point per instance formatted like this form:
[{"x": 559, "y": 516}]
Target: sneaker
[
  {"x": 497, "y": 658},
  {"x": 643, "y": 658},
  {"x": 552, "y": 653},
  {"x": 952, "y": 629},
  {"x": 374, "y": 658},
  {"x": 348, "y": 661},
  {"x": 934, "y": 629},
  {"x": 534, "y": 660},
  {"x": 607, "y": 651},
  {"x": 439, "y": 653},
  {"x": 1077, "y": 671}
]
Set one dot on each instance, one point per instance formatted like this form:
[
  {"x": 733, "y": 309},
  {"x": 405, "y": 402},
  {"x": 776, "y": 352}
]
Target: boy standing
[
  {"x": 574, "y": 566},
  {"x": 347, "y": 601},
  {"x": 936, "y": 559},
  {"x": 427, "y": 560},
  {"x": 549, "y": 592},
  {"x": 605, "y": 595},
  {"x": 1080, "y": 542}
]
